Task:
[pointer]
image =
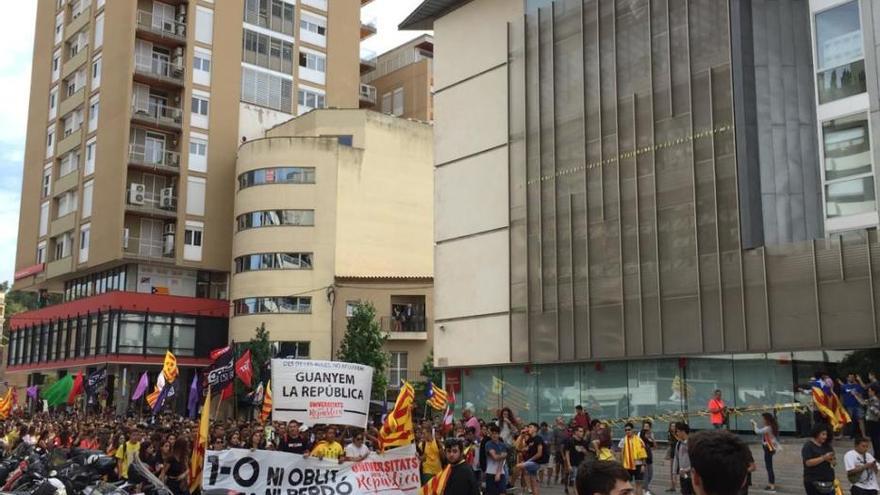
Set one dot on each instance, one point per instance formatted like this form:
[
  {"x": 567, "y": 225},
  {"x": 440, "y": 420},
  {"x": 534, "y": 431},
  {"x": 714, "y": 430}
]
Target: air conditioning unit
[
  {"x": 137, "y": 194},
  {"x": 168, "y": 244},
  {"x": 170, "y": 228},
  {"x": 125, "y": 238},
  {"x": 166, "y": 198}
]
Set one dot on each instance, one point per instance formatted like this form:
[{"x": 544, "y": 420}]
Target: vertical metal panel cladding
[{"x": 625, "y": 200}]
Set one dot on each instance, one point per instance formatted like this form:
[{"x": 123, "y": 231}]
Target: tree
[
  {"x": 860, "y": 362},
  {"x": 261, "y": 352},
  {"x": 19, "y": 301},
  {"x": 363, "y": 344},
  {"x": 429, "y": 372}
]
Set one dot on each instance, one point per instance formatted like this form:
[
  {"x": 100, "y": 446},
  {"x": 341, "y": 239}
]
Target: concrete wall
[
  {"x": 471, "y": 161},
  {"x": 415, "y": 79}
]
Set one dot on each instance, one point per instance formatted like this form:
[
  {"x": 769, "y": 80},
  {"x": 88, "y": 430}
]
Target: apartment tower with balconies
[{"x": 137, "y": 108}]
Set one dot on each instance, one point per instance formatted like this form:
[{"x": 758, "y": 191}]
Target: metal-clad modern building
[{"x": 646, "y": 181}]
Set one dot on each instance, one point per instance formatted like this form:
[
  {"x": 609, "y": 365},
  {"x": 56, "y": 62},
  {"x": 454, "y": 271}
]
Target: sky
[{"x": 16, "y": 38}]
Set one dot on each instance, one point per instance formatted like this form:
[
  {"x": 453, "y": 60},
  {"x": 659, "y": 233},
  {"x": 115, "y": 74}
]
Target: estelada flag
[
  {"x": 169, "y": 367},
  {"x": 437, "y": 397},
  {"x": 829, "y": 405},
  {"x": 200, "y": 444},
  {"x": 243, "y": 369}
]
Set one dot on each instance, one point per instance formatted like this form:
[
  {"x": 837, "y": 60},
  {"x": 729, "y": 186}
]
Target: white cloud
[{"x": 388, "y": 15}]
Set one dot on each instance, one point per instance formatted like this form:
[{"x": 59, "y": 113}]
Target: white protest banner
[
  {"x": 328, "y": 392},
  {"x": 265, "y": 472}
]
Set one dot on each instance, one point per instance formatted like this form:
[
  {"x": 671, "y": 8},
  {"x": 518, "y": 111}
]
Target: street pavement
[{"x": 787, "y": 464}]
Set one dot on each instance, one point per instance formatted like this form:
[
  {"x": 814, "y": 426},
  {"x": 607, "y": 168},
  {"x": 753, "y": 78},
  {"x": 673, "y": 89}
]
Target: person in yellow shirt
[
  {"x": 126, "y": 452},
  {"x": 430, "y": 453},
  {"x": 328, "y": 448}
]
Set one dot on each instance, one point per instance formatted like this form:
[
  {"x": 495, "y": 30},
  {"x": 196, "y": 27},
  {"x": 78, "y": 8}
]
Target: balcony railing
[
  {"x": 368, "y": 60},
  {"x": 368, "y": 93},
  {"x": 148, "y": 248},
  {"x": 415, "y": 323},
  {"x": 368, "y": 28},
  {"x": 161, "y": 26},
  {"x": 153, "y": 156},
  {"x": 159, "y": 69},
  {"x": 157, "y": 114}
]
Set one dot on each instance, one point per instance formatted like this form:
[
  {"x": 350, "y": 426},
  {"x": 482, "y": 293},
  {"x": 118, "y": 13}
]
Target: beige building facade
[
  {"x": 402, "y": 82},
  {"x": 330, "y": 194}
]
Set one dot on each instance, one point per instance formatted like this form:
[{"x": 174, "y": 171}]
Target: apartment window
[
  {"x": 313, "y": 61},
  {"x": 840, "y": 63},
  {"x": 192, "y": 240},
  {"x": 849, "y": 175},
  {"x": 46, "y": 188},
  {"x": 44, "y": 218},
  {"x": 397, "y": 367},
  {"x": 397, "y": 102},
  {"x": 69, "y": 163},
  {"x": 276, "y": 15},
  {"x": 94, "y": 107},
  {"x": 350, "y": 307},
  {"x": 59, "y": 27},
  {"x": 273, "y": 218},
  {"x": 280, "y": 304},
  {"x": 265, "y": 89},
  {"x": 310, "y": 99},
  {"x": 56, "y": 65},
  {"x": 199, "y": 108},
  {"x": 91, "y": 147},
  {"x": 204, "y": 25},
  {"x": 198, "y": 152},
  {"x": 273, "y": 261},
  {"x": 96, "y": 73},
  {"x": 202, "y": 67},
  {"x": 195, "y": 196},
  {"x": 313, "y": 25},
  {"x": 84, "y": 232},
  {"x": 62, "y": 246},
  {"x": 386, "y": 103},
  {"x": 53, "y": 103},
  {"x": 41, "y": 252},
  {"x": 72, "y": 122},
  {"x": 88, "y": 191},
  {"x": 267, "y": 51},
  {"x": 77, "y": 44},
  {"x": 50, "y": 142},
  {"x": 99, "y": 30},
  {"x": 277, "y": 175},
  {"x": 66, "y": 204}
]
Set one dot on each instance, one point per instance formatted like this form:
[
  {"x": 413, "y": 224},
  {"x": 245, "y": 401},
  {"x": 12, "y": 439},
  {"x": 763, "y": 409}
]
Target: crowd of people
[{"x": 491, "y": 455}]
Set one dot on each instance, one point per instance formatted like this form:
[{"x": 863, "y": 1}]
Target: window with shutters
[
  {"x": 88, "y": 191},
  {"x": 204, "y": 25},
  {"x": 397, "y": 102},
  {"x": 267, "y": 51},
  {"x": 99, "y": 30},
  {"x": 96, "y": 73},
  {"x": 312, "y": 61},
  {"x": 44, "y": 218},
  {"x": 264, "y": 89}
]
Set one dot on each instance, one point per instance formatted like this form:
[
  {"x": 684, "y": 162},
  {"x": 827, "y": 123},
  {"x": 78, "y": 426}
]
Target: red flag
[
  {"x": 243, "y": 369},
  {"x": 77, "y": 388},
  {"x": 219, "y": 352},
  {"x": 227, "y": 392}
]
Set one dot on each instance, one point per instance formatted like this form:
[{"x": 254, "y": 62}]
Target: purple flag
[
  {"x": 193, "y": 404},
  {"x": 32, "y": 391},
  {"x": 167, "y": 390},
  {"x": 141, "y": 387}
]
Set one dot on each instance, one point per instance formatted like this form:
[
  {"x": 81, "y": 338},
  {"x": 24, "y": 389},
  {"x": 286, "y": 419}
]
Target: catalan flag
[
  {"x": 266, "y": 411},
  {"x": 398, "y": 427},
  {"x": 7, "y": 402},
  {"x": 200, "y": 444},
  {"x": 437, "y": 397},
  {"x": 827, "y": 402},
  {"x": 437, "y": 484}
]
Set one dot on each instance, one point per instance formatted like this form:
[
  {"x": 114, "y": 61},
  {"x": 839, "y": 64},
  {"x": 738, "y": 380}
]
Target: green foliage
[
  {"x": 363, "y": 344},
  {"x": 19, "y": 301},
  {"x": 861, "y": 362},
  {"x": 428, "y": 371},
  {"x": 261, "y": 353}
]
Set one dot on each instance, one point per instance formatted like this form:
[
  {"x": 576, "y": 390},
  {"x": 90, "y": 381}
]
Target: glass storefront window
[
  {"x": 482, "y": 388},
  {"x": 158, "y": 337},
  {"x": 655, "y": 389},
  {"x": 519, "y": 391},
  {"x": 840, "y": 62},
  {"x": 604, "y": 392},
  {"x": 184, "y": 340},
  {"x": 559, "y": 391},
  {"x": 131, "y": 334},
  {"x": 763, "y": 380}
]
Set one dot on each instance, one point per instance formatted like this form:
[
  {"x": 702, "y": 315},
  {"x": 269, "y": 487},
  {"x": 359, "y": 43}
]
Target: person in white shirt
[
  {"x": 861, "y": 466},
  {"x": 356, "y": 450}
]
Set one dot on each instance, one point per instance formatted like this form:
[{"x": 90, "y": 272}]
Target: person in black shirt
[
  {"x": 535, "y": 455},
  {"x": 462, "y": 480},
  {"x": 818, "y": 459},
  {"x": 294, "y": 441},
  {"x": 574, "y": 451},
  {"x": 175, "y": 474}
]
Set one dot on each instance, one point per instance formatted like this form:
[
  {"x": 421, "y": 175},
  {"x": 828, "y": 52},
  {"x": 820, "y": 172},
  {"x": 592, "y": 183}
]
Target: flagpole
[
  {"x": 219, "y": 400},
  {"x": 234, "y": 398}
]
